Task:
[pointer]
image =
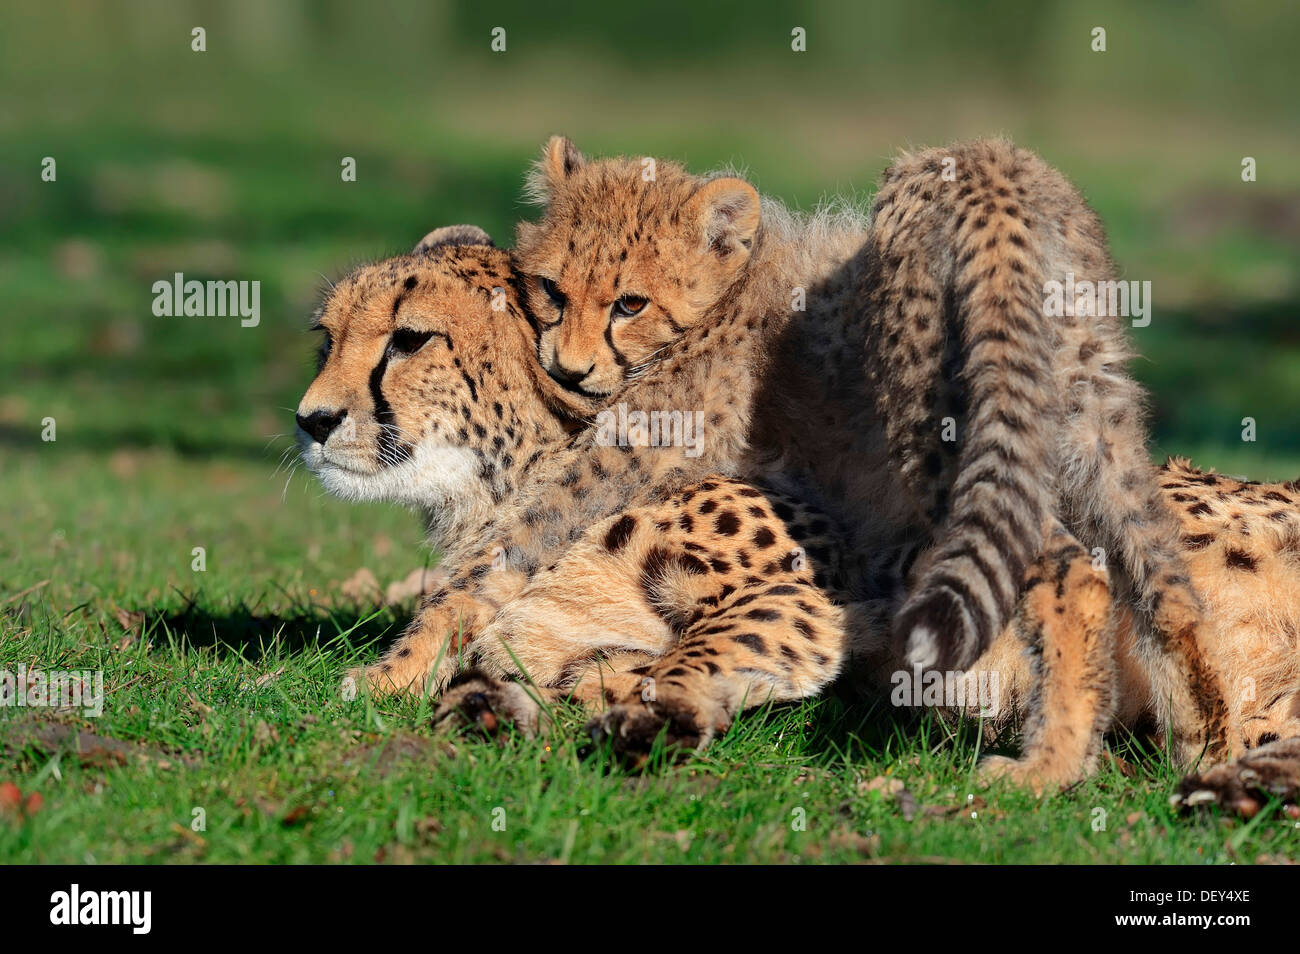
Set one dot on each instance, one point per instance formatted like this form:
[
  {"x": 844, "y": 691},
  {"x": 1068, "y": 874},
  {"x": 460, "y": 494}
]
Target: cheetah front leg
[
  {"x": 1066, "y": 620},
  {"x": 435, "y": 637},
  {"x": 431, "y": 648},
  {"x": 575, "y": 630},
  {"x": 679, "y": 614}
]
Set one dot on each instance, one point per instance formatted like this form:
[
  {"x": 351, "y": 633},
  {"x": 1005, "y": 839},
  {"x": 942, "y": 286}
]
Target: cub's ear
[
  {"x": 452, "y": 235},
  {"x": 728, "y": 211},
  {"x": 560, "y": 159}
]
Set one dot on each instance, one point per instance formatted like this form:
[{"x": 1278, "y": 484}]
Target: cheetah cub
[{"x": 874, "y": 334}]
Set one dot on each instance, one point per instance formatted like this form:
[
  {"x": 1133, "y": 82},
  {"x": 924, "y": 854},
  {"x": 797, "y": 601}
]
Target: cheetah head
[
  {"x": 428, "y": 391},
  {"x": 628, "y": 255}
]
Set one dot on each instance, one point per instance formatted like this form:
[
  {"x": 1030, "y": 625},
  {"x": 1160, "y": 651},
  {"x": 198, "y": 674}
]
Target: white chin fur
[{"x": 431, "y": 476}]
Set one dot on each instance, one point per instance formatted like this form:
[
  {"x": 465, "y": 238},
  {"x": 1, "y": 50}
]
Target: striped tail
[
  {"x": 986, "y": 277},
  {"x": 962, "y": 240}
]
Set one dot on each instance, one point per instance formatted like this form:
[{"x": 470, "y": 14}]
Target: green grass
[
  {"x": 170, "y": 431},
  {"x": 288, "y": 772},
  {"x": 225, "y": 685}
]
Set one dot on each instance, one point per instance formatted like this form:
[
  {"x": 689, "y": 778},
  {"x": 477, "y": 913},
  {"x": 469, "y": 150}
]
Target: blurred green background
[{"x": 226, "y": 164}]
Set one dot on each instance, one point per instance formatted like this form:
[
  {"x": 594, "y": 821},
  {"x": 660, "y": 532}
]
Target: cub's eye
[
  {"x": 629, "y": 305},
  {"x": 408, "y": 341},
  {"x": 551, "y": 290}
]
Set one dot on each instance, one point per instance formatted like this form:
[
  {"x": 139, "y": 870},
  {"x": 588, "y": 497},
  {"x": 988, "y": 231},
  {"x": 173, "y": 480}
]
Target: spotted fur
[
  {"x": 435, "y": 398},
  {"x": 674, "y": 610},
  {"x": 1241, "y": 543},
  {"x": 946, "y": 290}
]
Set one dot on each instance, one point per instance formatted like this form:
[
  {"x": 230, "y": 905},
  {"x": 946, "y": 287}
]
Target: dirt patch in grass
[
  {"x": 386, "y": 754},
  {"x": 90, "y": 749}
]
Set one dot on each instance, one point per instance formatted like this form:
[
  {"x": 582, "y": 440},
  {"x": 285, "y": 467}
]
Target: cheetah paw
[
  {"x": 632, "y": 730},
  {"x": 1245, "y": 785},
  {"x": 475, "y": 700},
  {"x": 1033, "y": 774}
]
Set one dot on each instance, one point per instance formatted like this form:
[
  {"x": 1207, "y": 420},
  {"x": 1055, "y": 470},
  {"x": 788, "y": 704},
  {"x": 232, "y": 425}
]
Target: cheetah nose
[
  {"x": 320, "y": 424},
  {"x": 568, "y": 378}
]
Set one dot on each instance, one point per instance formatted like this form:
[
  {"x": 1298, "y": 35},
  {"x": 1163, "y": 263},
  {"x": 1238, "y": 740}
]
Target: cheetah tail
[{"x": 966, "y": 587}]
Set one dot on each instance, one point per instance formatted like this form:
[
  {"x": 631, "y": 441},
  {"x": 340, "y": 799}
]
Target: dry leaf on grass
[
  {"x": 295, "y": 816},
  {"x": 265, "y": 679},
  {"x": 193, "y": 837},
  {"x": 264, "y": 733},
  {"x": 128, "y": 619},
  {"x": 131, "y": 621},
  {"x": 907, "y": 804},
  {"x": 12, "y": 804},
  {"x": 1125, "y": 768}
]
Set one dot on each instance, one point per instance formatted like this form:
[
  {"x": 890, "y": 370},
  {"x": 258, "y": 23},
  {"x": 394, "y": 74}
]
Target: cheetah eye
[
  {"x": 629, "y": 305},
  {"x": 407, "y": 341},
  {"x": 326, "y": 346},
  {"x": 551, "y": 290}
]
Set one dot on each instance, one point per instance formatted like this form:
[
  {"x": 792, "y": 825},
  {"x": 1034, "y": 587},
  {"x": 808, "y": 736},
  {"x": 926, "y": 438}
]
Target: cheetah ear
[
  {"x": 560, "y": 159},
  {"x": 728, "y": 211},
  {"x": 452, "y": 235}
]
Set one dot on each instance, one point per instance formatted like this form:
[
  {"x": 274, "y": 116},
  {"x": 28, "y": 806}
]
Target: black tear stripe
[
  {"x": 391, "y": 450},
  {"x": 619, "y": 358}
]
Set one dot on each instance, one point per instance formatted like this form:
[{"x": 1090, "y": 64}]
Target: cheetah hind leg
[
  {"x": 1245, "y": 785},
  {"x": 1066, "y": 619}
]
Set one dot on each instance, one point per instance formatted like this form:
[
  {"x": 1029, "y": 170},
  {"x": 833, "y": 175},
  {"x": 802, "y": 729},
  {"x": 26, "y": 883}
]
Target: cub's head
[
  {"x": 428, "y": 390},
  {"x": 629, "y": 254}
]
